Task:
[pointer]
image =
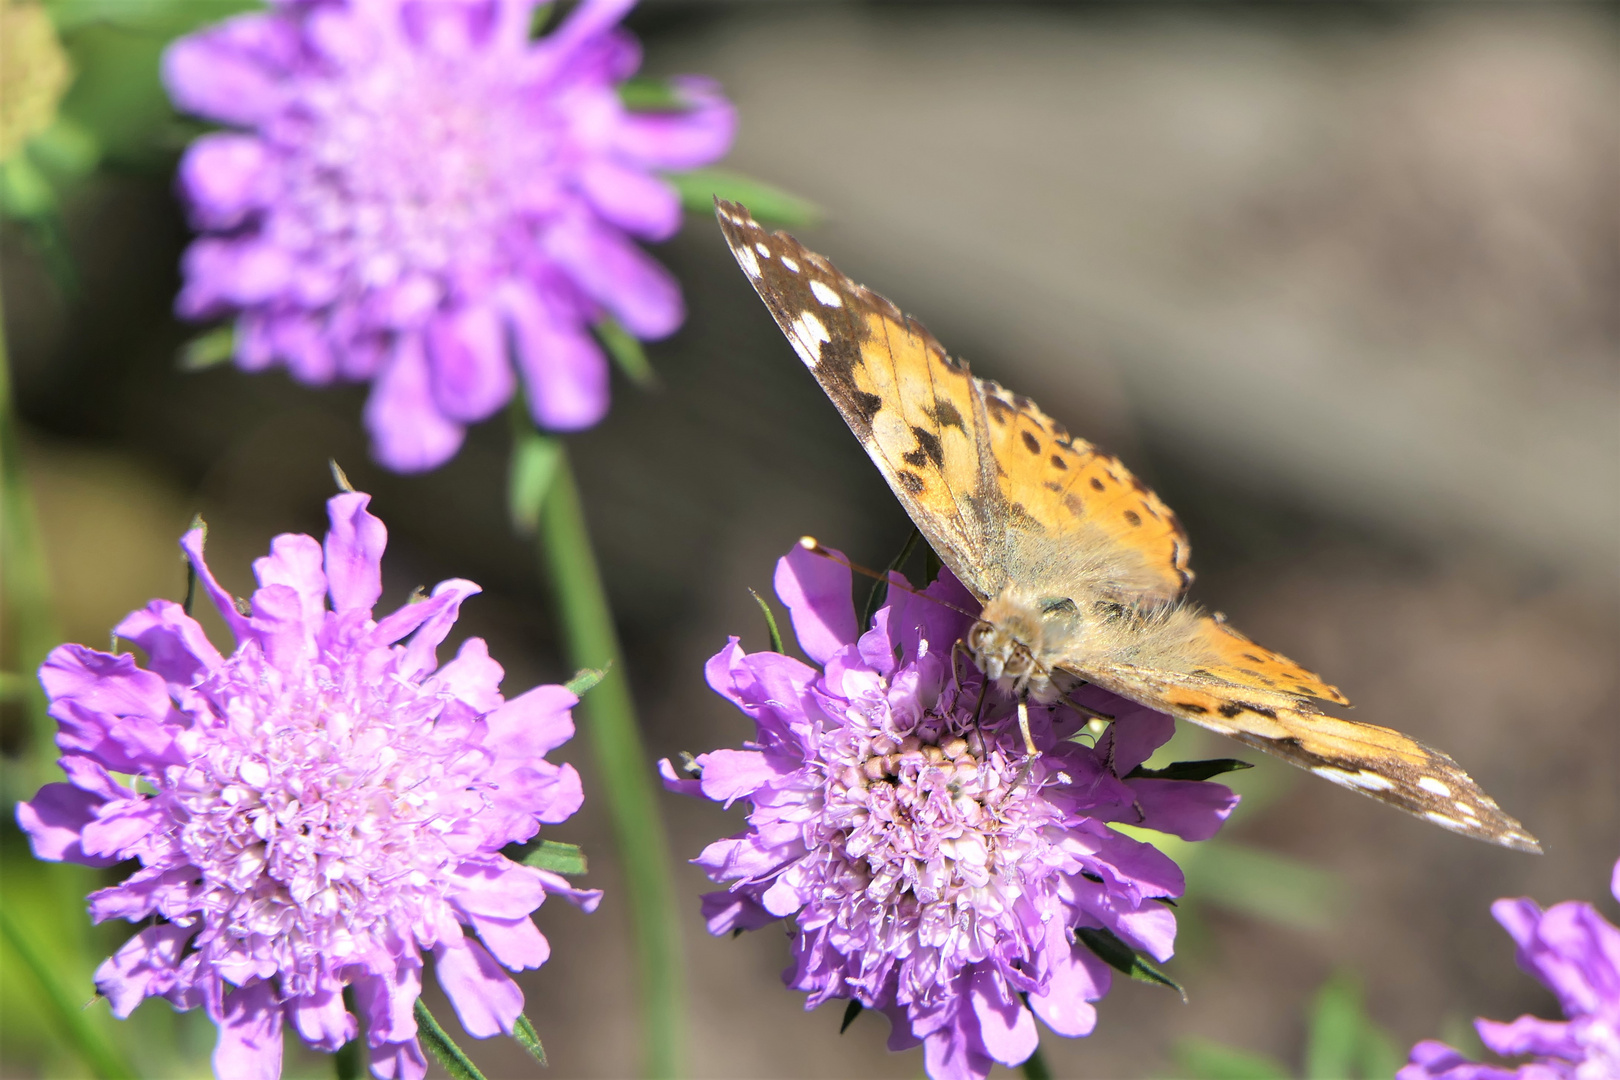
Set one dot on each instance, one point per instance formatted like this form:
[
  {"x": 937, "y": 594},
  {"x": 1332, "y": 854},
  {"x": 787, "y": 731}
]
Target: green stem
[
  {"x": 73, "y": 1023},
  {"x": 25, "y": 581},
  {"x": 625, "y": 773}
]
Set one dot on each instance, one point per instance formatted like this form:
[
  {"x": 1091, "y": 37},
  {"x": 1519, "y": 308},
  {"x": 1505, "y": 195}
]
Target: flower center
[
  {"x": 415, "y": 165},
  {"x": 323, "y": 810},
  {"x": 939, "y": 816}
]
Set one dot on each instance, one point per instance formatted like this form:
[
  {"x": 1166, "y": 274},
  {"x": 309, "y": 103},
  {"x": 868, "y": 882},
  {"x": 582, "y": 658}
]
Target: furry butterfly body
[{"x": 1080, "y": 568}]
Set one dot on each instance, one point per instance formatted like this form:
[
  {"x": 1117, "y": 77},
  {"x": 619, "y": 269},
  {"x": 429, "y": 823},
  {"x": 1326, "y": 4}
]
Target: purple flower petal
[
  {"x": 54, "y": 821},
  {"x": 234, "y": 273},
  {"x": 388, "y": 1002},
  {"x": 639, "y": 204},
  {"x": 676, "y": 783},
  {"x": 399, "y": 1061},
  {"x": 322, "y": 1021},
  {"x": 683, "y": 140},
  {"x": 230, "y": 72},
  {"x": 175, "y": 645},
  {"x": 618, "y": 275},
  {"x": 563, "y": 368},
  {"x": 1006, "y": 1027},
  {"x": 729, "y": 775},
  {"x": 1065, "y": 1004},
  {"x": 354, "y": 549},
  {"x": 1192, "y": 811},
  {"x": 473, "y": 677},
  {"x": 295, "y": 561},
  {"x": 225, "y": 177},
  {"x": 224, "y": 603},
  {"x": 472, "y": 377},
  {"x": 497, "y": 889},
  {"x": 726, "y": 912},
  {"x": 146, "y": 966},
  {"x": 486, "y": 1000},
  {"x": 516, "y": 942},
  {"x": 408, "y": 432},
  {"x": 249, "y": 1035},
  {"x": 816, "y": 591}
]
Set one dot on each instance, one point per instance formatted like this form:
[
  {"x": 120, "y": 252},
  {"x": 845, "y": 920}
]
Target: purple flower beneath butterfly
[
  {"x": 1574, "y": 951},
  {"x": 311, "y": 812},
  {"x": 927, "y": 866},
  {"x": 418, "y": 193}
]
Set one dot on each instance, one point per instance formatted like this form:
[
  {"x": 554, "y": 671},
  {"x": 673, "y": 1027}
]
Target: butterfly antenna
[{"x": 813, "y": 546}]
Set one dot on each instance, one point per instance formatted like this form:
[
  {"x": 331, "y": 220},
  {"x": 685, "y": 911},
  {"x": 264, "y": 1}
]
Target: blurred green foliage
[{"x": 1342, "y": 1043}]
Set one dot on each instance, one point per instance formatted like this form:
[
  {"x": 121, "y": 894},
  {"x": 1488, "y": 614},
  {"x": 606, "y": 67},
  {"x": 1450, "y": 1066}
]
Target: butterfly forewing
[
  {"x": 914, "y": 411},
  {"x": 996, "y": 485}
]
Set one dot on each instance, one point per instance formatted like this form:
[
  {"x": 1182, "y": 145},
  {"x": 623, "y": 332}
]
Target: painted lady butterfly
[{"x": 1080, "y": 568}]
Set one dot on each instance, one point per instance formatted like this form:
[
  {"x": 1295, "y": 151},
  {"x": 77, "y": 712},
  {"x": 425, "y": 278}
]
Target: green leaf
[
  {"x": 535, "y": 458},
  {"x": 565, "y": 859},
  {"x": 449, "y": 1055},
  {"x": 209, "y": 348},
  {"x": 1121, "y": 957},
  {"x": 626, "y": 352},
  {"x": 767, "y": 202},
  {"x": 851, "y": 1011},
  {"x": 1190, "y": 770},
  {"x": 1335, "y": 1031},
  {"x": 528, "y": 1038},
  {"x": 1259, "y": 883},
  {"x": 584, "y": 679},
  {"x": 770, "y": 621},
  {"x": 1378, "y": 1057},
  {"x": 1203, "y": 1059},
  {"x": 646, "y": 94},
  {"x": 880, "y": 588},
  {"x": 24, "y": 191}
]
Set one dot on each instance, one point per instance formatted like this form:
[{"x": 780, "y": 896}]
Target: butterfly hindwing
[{"x": 1376, "y": 761}]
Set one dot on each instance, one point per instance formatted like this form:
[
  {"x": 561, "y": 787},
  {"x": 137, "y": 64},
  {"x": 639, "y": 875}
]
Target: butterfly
[{"x": 1080, "y": 569}]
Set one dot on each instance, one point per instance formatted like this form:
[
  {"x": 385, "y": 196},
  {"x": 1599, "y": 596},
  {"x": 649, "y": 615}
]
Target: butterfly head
[{"x": 1015, "y": 638}]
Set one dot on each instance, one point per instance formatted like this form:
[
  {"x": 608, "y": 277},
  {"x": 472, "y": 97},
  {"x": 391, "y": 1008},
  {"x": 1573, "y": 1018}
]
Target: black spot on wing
[
  {"x": 1031, "y": 443},
  {"x": 1059, "y": 463},
  {"x": 865, "y": 405},
  {"x": 910, "y": 481},
  {"x": 944, "y": 414},
  {"x": 929, "y": 444},
  {"x": 1133, "y": 518}
]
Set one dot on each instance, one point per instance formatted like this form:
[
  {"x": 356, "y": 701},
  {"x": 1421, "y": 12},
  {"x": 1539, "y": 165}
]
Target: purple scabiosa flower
[
  {"x": 418, "y": 193},
  {"x": 311, "y": 812},
  {"x": 1574, "y": 951},
  {"x": 928, "y": 867}
]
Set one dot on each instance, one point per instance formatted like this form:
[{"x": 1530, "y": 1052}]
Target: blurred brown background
[{"x": 1341, "y": 281}]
